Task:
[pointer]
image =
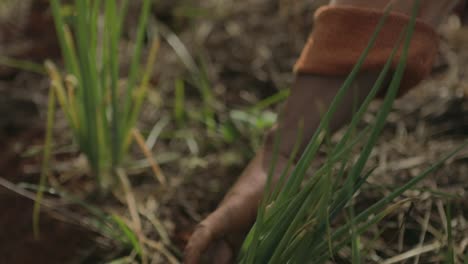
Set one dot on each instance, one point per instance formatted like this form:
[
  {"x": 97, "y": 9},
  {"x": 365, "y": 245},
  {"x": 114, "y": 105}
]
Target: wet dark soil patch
[{"x": 59, "y": 242}]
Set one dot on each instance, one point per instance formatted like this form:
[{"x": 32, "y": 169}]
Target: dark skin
[{"x": 223, "y": 230}]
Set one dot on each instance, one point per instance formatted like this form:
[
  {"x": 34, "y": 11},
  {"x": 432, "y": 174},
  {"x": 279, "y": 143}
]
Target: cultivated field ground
[{"x": 222, "y": 72}]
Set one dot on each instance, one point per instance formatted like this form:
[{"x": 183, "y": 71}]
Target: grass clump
[
  {"x": 101, "y": 108},
  {"x": 294, "y": 223}
]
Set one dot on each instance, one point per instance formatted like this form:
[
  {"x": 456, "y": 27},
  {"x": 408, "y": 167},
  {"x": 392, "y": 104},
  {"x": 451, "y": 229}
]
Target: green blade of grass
[
  {"x": 23, "y": 65},
  {"x": 87, "y": 84},
  {"x": 272, "y": 100},
  {"x": 179, "y": 99},
  {"x": 122, "y": 14},
  {"x": 69, "y": 54},
  {"x": 113, "y": 65},
  {"x": 45, "y": 170},
  {"x": 129, "y": 234},
  {"x": 141, "y": 93},
  {"x": 135, "y": 64}
]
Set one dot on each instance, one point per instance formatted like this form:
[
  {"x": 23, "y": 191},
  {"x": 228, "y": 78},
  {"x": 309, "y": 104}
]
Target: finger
[
  {"x": 197, "y": 244},
  {"x": 209, "y": 230},
  {"x": 223, "y": 253}
]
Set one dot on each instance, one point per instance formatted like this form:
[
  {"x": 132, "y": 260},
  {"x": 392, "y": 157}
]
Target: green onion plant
[
  {"x": 101, "y": 106},
  {"x": 294, "y": 219}
]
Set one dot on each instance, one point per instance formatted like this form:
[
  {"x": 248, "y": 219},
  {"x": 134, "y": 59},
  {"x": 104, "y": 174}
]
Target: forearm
[{"x": 310, "y": 97}]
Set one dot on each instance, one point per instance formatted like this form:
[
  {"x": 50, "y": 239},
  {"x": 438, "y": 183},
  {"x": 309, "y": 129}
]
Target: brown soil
[
  {"x": 59, "y": 242},
  {"x": 247, "y": 60}
]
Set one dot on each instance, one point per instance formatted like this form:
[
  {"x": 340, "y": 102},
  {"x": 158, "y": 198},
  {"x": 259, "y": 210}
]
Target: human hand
[{"x": 220, "y": 235}]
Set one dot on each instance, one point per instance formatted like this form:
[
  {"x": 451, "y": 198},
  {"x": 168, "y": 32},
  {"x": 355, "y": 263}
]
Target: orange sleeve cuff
[{"x": 342, "y": 33}]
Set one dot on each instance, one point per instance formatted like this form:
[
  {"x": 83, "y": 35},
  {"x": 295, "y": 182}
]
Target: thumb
[
  {"x": 205, "y": 233},
  {"x": 198, "y": 243}
]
